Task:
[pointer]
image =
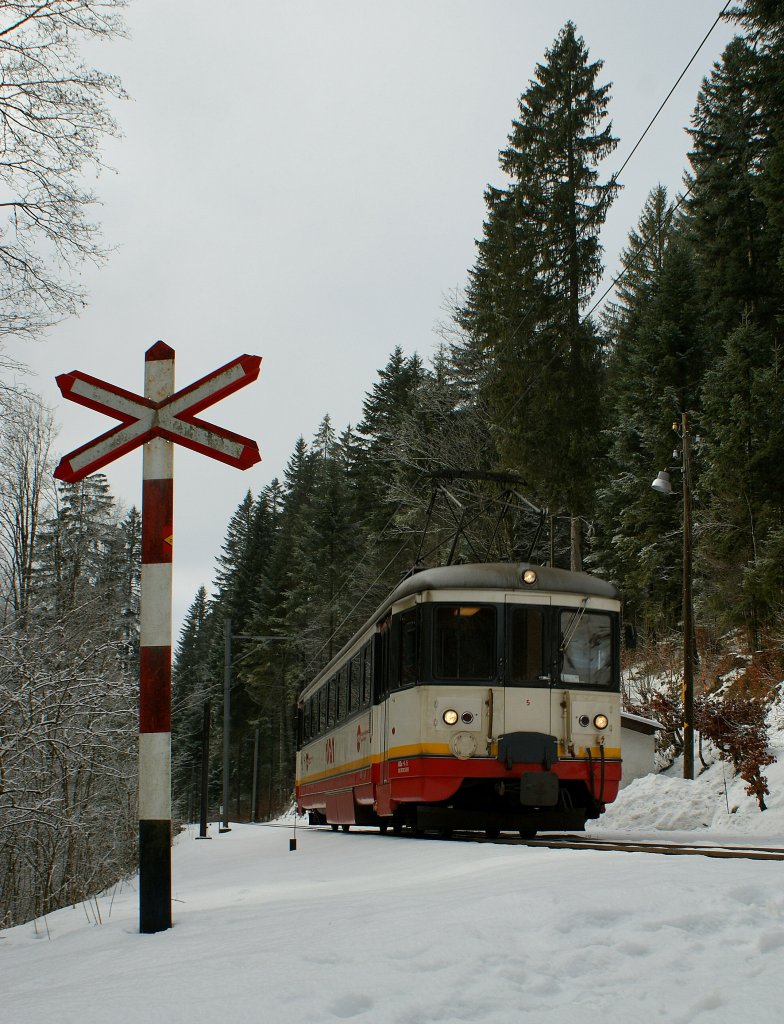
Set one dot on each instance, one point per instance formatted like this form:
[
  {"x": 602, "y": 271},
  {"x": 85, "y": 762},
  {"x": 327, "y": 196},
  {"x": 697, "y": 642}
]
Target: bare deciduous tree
[
  {"x": 53, "y": 118},
  {"x": 67, "y": 767},
  {"x": 26, "y": 493}
]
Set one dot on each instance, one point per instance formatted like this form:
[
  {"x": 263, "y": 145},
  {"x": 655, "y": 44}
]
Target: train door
[
  {"x": 385, "y": 742},
  {"x": 381, "y": 695},
  {"x": 527, "y": 665}
]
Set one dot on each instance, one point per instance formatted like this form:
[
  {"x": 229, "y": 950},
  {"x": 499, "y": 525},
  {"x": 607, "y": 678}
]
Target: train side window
[
  {"x": 464, "y": 642},
  {"x": 355, "y": 683},
  {"x": 367, "y": 675},
  {"x": 525, "y": 644},
  {"x": 331, "y": 702},
  {"x": 339, "y": 699},
  {"x": 322, "y": 709},
  {"x": 343, "y": 694}
]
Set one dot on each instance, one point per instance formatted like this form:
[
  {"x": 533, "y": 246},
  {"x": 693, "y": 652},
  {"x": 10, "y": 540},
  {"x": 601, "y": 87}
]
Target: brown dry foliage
[{"x": 732, "y": 715}]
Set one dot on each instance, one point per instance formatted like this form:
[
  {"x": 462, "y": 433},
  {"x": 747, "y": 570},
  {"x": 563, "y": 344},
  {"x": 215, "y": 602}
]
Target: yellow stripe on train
[{"x": 444, "y": 750}]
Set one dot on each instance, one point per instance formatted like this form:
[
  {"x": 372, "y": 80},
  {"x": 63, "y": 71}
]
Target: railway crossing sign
[
  {"x": 172, "y": 418},
  {"x": 159, "y": 417}
]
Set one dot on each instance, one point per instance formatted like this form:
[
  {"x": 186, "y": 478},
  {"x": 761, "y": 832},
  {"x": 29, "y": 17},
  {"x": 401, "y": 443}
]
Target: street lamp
[{"x": 663, "y": 486}]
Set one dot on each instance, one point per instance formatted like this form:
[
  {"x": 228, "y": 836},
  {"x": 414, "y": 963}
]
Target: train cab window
[
  {"x": 464, "y": 642},
  {"x": 525, "y": 644},
  {"x": 586, "y": 649}
]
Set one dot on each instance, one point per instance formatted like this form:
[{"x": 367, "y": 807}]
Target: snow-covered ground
[{"x": 371, "y": 928}]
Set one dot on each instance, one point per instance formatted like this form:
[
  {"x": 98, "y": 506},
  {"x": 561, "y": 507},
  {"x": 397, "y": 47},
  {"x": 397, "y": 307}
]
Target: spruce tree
[
  {"x": 733, "y": 241},
  {"x": 539, "y": 259},
  {"x": 764, "y": 21},
  {"x": 735, "y": 224},
  {"x": 656, "y": 370},
  {"x": 192, "y": 685},
  {"x": 742, "y": 542}
]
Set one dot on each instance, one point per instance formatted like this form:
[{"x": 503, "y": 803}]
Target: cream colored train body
[{"x": 477, "y": 697}]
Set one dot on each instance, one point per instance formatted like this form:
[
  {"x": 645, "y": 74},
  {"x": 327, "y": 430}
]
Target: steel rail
[{"x": 573, "y": 842}]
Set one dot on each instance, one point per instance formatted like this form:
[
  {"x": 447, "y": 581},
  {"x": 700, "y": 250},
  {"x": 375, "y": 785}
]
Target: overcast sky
[{"x": 304, "y": 181}]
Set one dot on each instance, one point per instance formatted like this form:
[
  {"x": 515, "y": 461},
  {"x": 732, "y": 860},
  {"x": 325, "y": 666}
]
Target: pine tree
[
  {"x": 538, "y": 262},
  {"x": 192, "y": 686},
  {"x": 656, "y": 370},
  {"x": 735, "y": 221},
  {"x": 233, "y": 552},
  {"x": 764, "y": 21},
  {"x": 75, "y": 545},
  {"x": 727, "y": 221},
  {"x": 744, "y": 395},
  {"x": 641, "y": 268},
  {"x": 377, "y": 463}
]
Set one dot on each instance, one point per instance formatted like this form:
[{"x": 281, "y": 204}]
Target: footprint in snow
[{"x": 350, "y": 1005}]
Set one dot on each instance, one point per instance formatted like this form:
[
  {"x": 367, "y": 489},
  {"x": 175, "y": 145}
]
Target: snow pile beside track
[{"x": 668, "y": 802}]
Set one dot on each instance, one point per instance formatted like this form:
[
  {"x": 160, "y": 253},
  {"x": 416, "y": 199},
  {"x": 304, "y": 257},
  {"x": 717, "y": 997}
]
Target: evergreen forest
[
  {"x": 532, "y": 433},
  {"x": 535, "y": 430}
]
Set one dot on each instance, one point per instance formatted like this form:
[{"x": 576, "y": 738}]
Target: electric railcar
[{"x": 481, "y": 697}]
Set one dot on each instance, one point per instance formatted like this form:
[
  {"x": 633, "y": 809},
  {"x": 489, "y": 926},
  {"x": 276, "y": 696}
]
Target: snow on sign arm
[{"x": 160, "y": 416}]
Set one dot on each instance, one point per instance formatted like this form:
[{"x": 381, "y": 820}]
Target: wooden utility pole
[{"x": 688, "y": 617}]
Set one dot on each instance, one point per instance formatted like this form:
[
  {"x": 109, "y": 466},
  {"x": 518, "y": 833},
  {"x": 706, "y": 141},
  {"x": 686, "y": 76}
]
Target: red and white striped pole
[
  {"x": 155, "y": 658},
  {"x": 156, "y": 421}
]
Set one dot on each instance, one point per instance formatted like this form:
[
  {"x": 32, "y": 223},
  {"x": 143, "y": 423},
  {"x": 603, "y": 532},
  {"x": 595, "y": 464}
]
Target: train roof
[{"x": 504, "y": 576}]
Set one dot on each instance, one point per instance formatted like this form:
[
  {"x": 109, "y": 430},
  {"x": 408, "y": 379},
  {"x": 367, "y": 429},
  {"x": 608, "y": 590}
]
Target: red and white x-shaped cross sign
[{"x": 174, "y": 419}]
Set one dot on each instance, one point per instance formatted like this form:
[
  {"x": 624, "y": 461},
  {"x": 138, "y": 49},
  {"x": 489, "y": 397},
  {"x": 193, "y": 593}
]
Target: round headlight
[
  {"x": 529, "y": 576},
  {"x": 450, "y": 716},
  {"x": 601, "y": 721}
]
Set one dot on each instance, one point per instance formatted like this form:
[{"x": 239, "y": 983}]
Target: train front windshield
[
  {"x": 465, "y": 642},
  {"x": 586, "y": 649},
  {"x": 539, "y": 646}
]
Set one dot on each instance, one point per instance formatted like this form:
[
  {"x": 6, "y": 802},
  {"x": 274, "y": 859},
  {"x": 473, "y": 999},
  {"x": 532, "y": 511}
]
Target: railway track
[
  {"x": 574, "y": 842},
  {"x": 652, "y": 846}
]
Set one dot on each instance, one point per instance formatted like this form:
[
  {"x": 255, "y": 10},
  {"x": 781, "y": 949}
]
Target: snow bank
[{"x": 716, "y": 800}]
